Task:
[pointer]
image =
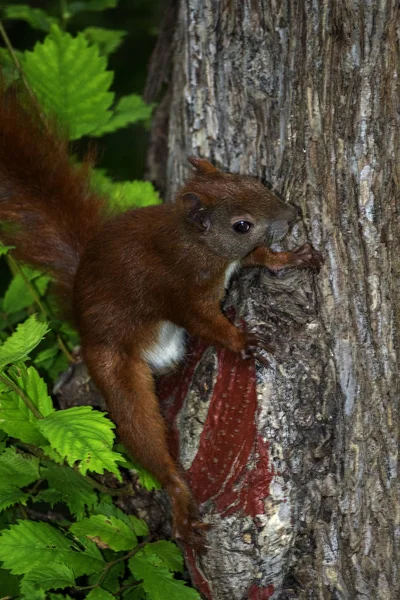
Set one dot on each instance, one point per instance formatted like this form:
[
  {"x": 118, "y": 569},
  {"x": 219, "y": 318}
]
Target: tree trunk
[{"x": 296, "y": 465}]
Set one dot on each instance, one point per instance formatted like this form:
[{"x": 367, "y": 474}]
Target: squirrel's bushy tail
[{"x": 47, "y": 209}]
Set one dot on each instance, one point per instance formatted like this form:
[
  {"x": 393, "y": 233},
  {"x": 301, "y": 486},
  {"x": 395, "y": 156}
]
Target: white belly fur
[
  {"x": 169, "y": 348},
  {"x": 233, "y": 267}
]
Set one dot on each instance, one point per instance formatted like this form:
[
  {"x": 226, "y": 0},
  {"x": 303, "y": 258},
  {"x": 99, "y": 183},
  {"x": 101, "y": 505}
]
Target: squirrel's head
[{"x": 233, "y": 213}]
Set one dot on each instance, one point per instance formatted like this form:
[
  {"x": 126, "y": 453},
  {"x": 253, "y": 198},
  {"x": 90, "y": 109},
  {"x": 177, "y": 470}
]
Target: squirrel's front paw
[
  {"x": 256, "y": 344},
  {"x": 307, "y": 256}
]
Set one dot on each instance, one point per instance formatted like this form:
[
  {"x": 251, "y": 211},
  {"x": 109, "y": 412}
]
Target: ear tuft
[{"x": 204, "y": 166}]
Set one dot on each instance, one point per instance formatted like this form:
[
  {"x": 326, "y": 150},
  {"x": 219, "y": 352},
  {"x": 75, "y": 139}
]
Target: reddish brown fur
[
  {"x": 125, "y": 276},
  {"x": 44, "y": 195}
]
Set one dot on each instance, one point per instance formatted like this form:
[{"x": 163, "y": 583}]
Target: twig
[
  {"x": 17, "y": 64},
  {"x": 14, "y": 387},
  {"x": 116, "y": 561},
  {"x": 16, "y": 268}
]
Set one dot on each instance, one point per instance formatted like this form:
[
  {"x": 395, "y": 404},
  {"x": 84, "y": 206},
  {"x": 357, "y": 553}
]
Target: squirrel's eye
[{"x": 242, "y": 226}]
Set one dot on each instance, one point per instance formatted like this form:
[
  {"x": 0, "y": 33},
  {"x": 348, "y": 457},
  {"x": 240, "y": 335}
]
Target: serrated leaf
[
  {"x": 85, "y": 435},
  {"x": 59, "y": 597},
  {"x": 108, "y": 40},
  {"x": 36, "y": 17},
  {"x": 30, "y": 593},
  {"x": 21, "y": 343},
  {"x": 110, "y": 530},
  {"x": 17, "y": 469},
  {"x": 72, "y": 488},
  {"x": 134, "y": 593},
  {"x": 130, "y": 109},
  {"x": 158, "y": 582},
  {"x": 126, "y": 194},
  {"x": 50, "y": 496},
  {"x": 168, "y": 553},
  {"x": 10, "y": 495},
  {"x": 53, "y": 361},
  {"x": 18, "y": 420},
  {"x": 90, "y": 5},
  {"x": 51, "y": 453},
  {"x": 99, "y": 594},
  {"x": 71, "y": 81},
  {"x": 138, "y": 526},
  {"x": 52, "y": 576},
  {"x": 18, "y": 295},
  {"x": 146, "y": 479},
  {"x": 46, "y": 357},
  {"x": 28, "y": 545},
  {"x": 29, "y": 380}
]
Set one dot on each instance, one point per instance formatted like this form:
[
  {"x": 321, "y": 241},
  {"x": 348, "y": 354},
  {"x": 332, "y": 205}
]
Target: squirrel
[{"x": 134, "y": 283}]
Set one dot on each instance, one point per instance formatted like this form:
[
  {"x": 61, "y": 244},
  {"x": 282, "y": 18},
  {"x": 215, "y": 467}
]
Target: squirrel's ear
[
  {"x": 203, "y": 166},
  {"x": 197, "y": 212}
]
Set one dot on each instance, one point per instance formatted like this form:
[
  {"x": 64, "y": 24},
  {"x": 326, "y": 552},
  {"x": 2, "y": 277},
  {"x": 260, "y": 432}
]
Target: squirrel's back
[{"x": 47, "y": 208}]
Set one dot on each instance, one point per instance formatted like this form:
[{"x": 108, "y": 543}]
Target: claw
[
  {"x": 307, "y": 256},
  {"x": 193, "y": 534},
  {"x": 255, "y": 345}
]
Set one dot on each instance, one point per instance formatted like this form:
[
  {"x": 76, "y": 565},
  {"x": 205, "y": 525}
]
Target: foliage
[{"x": 61, "y": 535}]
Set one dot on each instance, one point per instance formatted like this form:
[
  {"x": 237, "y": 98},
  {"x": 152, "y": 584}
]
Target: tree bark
[{"x": 296, "y": 465}]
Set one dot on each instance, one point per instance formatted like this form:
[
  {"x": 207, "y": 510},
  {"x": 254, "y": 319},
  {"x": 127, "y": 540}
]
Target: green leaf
[
  {"x": 138, "y": 526},
  {"x": 31, "y": 593},
  {"x": 99, "y": 594},
  {"x": 21, "y": 343},
  {"x": 134, "y": 593},
  {"x": 10, "y": 495},
  {"x": 36, "y": 17},
  {"x": 52, "y": 576},
  {"x": 146, "y": 479},
  {"x": 46, "y": 357},
  {"x": 9, "y": 584},
  {"x": 10, "y": 74},
  {"x": 108, "y": 40},
  {"x": 18, "y": 295},
  {"x": 18, "y": 420},
  {"x": 4, "y": 249},
  {"x": 71, "y": 487},
  {"x": 15, "y": 416},
  {"x": 129, "y": 109},
  {"x": 28, "y": 545},
  {"x": 158, "y": 582},
  {"x": 50, "y": 496},
  {"x": 169, "y": 554},
  {"x": 71, "y": 81},
  {"x": 18, "y": 469},
  {"x": 126, "y": 194},
  {"x": 59, "y": 597},
  {"x": 90, "y": 5},
  {"x": 29, "y": 380},
  {"x": 110, "y": 530},
  {"x": 85, "y": 435},
  {"x": 111, "y": 582}
]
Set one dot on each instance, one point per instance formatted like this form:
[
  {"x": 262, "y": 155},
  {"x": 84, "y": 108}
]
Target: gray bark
[{"x": 305, "y": 95}]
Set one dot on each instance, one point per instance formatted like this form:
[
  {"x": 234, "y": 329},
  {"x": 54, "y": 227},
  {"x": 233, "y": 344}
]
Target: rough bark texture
[{"x": 296, "y": 466}]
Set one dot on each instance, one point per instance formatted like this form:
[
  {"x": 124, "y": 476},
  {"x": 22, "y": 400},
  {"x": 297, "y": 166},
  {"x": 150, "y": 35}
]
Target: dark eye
[{"x": 242, "y": 226}]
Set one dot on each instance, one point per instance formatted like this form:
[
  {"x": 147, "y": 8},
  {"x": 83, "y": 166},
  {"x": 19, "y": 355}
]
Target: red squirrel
[{"x": 133, "y": 283}]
